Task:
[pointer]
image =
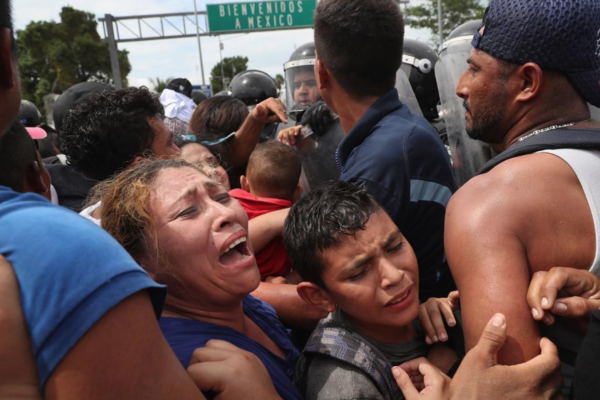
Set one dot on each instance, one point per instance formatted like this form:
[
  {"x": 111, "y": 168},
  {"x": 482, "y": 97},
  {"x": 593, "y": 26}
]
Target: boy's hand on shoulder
[
  {"x": 430, "y": 315},
  {"x": 420, "y": 380}
]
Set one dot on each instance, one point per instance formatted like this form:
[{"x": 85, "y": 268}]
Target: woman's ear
[
  {"x": 315, "y": 296},
  {"x": 147, "y": 265}
]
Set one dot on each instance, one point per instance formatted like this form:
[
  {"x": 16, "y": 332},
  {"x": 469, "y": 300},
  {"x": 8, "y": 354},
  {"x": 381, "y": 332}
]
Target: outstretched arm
[{"x": 246, "y": 138}]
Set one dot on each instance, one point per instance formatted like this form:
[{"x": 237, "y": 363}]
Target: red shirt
[{"x": 272, "y": 260}]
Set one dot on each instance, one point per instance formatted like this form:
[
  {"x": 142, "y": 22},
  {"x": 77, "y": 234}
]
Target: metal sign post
[{"x": 260, "y": 16}]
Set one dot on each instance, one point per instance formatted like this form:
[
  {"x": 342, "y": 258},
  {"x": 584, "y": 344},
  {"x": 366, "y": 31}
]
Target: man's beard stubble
[{"x": 486, "y": 125}]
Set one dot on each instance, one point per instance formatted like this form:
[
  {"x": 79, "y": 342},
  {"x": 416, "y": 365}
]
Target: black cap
[
  {"x": 29, "y": 114},
  {"x": 72, "y": 97},
  {"x": 181, "y": 85}
]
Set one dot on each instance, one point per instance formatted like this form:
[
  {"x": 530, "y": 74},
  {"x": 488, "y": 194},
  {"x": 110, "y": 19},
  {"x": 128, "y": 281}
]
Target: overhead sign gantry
[{"x": 218, "y": 19}]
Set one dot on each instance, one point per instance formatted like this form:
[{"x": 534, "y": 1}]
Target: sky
[{"x": 266, "y": 51}]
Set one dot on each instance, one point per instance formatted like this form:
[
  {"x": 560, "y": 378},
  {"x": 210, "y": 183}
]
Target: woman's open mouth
[{"x": 236, "y": 253}]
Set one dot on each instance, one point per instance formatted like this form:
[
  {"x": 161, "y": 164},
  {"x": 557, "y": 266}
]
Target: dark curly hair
[
  {"x": 107, "y": 130},
  {"x": 320, "y": 220}
]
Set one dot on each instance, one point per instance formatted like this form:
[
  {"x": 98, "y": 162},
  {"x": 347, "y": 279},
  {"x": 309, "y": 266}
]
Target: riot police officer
[
  {"x": 312, "y": 127},
  {"x": 418, "y": 63},
  {"x": 468, "y": 155},
  {"x": 300, "y": 82}
]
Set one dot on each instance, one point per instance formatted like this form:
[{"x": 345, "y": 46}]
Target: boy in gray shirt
[{"x": 357, "y": 266}]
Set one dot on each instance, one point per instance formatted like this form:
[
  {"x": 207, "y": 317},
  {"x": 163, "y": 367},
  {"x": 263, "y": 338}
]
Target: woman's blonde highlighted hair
[{"x": 125, "y": 202}]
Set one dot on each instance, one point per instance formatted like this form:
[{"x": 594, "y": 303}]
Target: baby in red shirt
[{"x": 270, "y": 186}]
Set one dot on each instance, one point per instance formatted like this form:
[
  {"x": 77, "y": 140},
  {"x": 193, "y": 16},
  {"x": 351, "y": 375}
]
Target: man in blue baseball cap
[{"x": 533, "y": 68}]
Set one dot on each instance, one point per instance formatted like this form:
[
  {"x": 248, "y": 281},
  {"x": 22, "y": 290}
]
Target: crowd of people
[{"x": 331, "y": 243}]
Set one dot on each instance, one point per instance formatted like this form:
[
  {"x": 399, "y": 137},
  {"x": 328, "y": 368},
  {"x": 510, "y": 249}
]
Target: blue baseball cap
[{"x": 559, "y": 35}]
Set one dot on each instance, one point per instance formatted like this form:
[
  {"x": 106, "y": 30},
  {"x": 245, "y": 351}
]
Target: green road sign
[{"x": 264, "y": 15}]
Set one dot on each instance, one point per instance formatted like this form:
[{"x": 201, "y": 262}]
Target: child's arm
[
  {"x": 430, "y": 314},
  {"x": 263, "y": 229}
]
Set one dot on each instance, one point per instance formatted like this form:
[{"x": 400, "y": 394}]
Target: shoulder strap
[
  {"x": 333, "y": 340},
  {"x": 556, "y": 139}
]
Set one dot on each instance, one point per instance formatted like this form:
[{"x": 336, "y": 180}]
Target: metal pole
[
  {"x": 440, "y": 23},
  {"x": 199, "y": 46},
  {"x": 114, "y": 55},
  {"x": 222, "y": 70}
]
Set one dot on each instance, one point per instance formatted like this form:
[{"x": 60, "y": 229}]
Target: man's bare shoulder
[{"x": 514, "y": 189}]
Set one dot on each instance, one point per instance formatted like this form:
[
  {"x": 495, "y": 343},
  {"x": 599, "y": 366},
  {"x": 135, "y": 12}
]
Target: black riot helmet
[
  {"x": 253, "y": 86},
  {"x": 418, "y": 63},
  {"x": 29, "y": 114},
  {"x": 304, "y": 52}
]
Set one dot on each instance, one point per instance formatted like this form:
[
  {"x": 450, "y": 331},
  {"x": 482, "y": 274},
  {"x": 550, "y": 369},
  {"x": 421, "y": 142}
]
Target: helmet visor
[{"x": 301, "y": 90}]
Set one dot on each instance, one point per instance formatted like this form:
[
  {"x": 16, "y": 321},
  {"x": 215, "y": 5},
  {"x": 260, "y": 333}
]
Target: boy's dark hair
[
  {"x": 17, "y": 151},
  {"x": 360, "y": 42},
  {"x": 320, "y": 220},
  {"x": 274, "y": 170},
  {"x": 107, "y": 130}
]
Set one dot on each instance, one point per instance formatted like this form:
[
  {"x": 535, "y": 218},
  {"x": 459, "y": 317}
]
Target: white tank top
[{"x": 586, "y": 165}]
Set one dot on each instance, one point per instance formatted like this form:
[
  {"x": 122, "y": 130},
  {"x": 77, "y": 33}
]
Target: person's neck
[
  {"x": 231, "y": 315},
  {"x": 351, "y": 110},
  {"x": 385, "y": 334},
  {"x": 536, "y": 119}
]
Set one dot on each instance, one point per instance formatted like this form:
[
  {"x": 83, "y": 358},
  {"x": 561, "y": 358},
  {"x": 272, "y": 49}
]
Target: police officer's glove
[{"x": 318, "y": 116}]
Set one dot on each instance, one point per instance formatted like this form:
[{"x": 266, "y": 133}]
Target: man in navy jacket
[{"x": 397, "y": 155}]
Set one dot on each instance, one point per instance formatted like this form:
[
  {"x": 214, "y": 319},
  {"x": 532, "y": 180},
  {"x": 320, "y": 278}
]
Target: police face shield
[
  {"x": 405, "y": 92},
  {"x": 301, "y": 88},
  {"x": 468, "y": 155}
]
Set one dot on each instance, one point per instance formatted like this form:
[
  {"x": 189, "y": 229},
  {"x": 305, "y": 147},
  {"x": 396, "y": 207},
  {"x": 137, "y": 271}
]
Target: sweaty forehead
[{"x": 173, "y": 182}]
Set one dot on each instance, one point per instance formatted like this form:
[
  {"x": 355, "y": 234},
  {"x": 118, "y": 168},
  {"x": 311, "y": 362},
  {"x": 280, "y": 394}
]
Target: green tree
[
  {"x": 279, "y": 79},
  {"x": 231, "y": 67},
  {"x": 158, "y": 85},
  {"x": 56, "y": 55},
  {"x": 454, "y": 13}
]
